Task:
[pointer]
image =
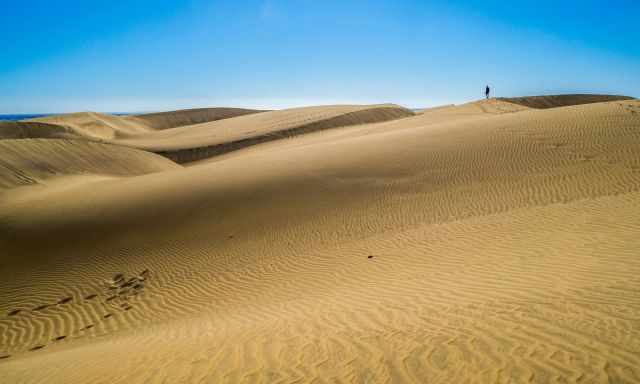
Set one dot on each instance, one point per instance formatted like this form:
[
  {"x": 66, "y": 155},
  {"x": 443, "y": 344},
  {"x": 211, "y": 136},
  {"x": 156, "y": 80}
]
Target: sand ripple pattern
[{"x": 499, "y": 248}]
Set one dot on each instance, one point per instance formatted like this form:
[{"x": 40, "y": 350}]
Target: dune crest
[
  {"x": 33, "y": 129},
  {"x": 102, "y": 126},
  {"x": 200, "y": 141},
  {"x": 555, "y": 101},
  {"x": 180, "y": 118},
  {"x": 93, "y": 125}
]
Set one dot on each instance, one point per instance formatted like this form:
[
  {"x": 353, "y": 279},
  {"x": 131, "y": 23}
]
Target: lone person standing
[{"x": 487, "y": 91}]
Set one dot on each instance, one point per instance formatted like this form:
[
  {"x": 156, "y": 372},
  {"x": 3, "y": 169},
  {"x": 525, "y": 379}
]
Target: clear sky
[{"x": 145, "y": 55}]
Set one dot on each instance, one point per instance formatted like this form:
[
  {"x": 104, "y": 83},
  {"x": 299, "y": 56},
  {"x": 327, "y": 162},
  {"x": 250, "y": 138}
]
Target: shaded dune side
[
  {"x": 28, "y": 161},
  {"x": 173, "y": 119},
  {"x": 102, "y": 126},
  {"x": 32, "y": 129},
  {"x": 366, "y": 116},
  {"x": 554, "y": 101}
]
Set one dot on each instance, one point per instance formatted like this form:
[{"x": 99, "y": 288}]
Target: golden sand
[{"x": 488, "y": 242}]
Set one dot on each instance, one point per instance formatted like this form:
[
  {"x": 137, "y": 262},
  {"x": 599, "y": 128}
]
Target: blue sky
[{"x": 144, "y": 55}]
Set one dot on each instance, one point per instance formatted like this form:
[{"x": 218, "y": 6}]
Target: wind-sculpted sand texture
[
  {"x": 555, "y": 101},
  {"x": 31, "y": 161},
  {"x": 32, "y": 129},
  {"x": 496, "y": 248},
  {"x": 101, "y": 126},
  {"x": 93, "y": 125},
  {"x": 201, "y": 141},
  {"x": 173, "y": 119}
]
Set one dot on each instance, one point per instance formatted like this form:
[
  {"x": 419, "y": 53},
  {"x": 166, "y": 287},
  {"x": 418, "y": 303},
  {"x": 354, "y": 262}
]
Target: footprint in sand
[
  {"x": 108, "y": 315},
  {"x": 91, "y": 296},
  {"x": 65, "y": 300},
  {"x": 129, "y": 283},
  {"x": 60, "y": 338},
  {"x": 4, "y": 356},
  {"x": 87, "y": 327},
  {"x": 41, "y": 307},
  {"x": 370, "y": 257},
  {"x": 586, "y": 158},
  {"x": 14, "y": 312}
]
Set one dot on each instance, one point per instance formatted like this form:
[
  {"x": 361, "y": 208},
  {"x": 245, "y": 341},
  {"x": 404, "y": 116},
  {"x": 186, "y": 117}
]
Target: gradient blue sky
[{"x": 144, "y": 55}]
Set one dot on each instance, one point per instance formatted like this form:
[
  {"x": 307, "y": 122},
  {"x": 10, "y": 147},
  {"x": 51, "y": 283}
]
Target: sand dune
[
  {"x": 173, "y": 119},
  {"x": 31, "y": 161},
  {"x": 102, "y": 126},
  {"x": 196, "y": 142},
  {"x": 33, "y": 129},
  {"x": 94, "y": 125},
  {"x": 196, "y": 134},
  {"x": 555, "y": 101},
  {"x": 479, "y": 243}
]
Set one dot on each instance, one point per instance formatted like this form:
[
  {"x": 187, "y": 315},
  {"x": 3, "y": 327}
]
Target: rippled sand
[{"x": 487, "y": 242}]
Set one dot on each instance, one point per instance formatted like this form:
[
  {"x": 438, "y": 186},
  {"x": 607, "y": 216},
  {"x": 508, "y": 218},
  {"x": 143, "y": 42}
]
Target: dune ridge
[
  {"x": 458, "y": 245},
  {"x": 32, "y": 129},
  {"x": 93, "y": 125},
  {"x": 555, "y": 101},
  {"x": 179, "y": 118},
  {"x": 197, "y": 142},
  {"x": 102, "y": 126}
]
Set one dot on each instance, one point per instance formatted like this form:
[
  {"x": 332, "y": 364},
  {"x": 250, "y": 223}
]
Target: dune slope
[
  {"x": 494, "y": 248},
  {"x": 32, "y": 129},
  {"x": 555, "y": 101},
  {"x": 173, "y": 119},
  {"x": 196, "y": 142},
  {"x": 93, "y": 125},
  {"x": 102, "y": 126},
  {"x": 31, "y": 161}
]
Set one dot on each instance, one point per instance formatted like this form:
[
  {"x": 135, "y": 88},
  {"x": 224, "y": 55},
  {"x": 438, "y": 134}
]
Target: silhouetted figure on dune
[{"x": 487, "y": 91}]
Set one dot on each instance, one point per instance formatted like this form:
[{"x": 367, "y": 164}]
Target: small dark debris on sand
[
  {"x": 370, "y": 257},
  {"x": 36, "y": 347}
]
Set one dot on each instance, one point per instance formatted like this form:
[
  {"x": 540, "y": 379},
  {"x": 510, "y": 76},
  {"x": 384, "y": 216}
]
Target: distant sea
[
  {"x": 36, "y": 115},
  {"x": 24, "y": 116}
]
